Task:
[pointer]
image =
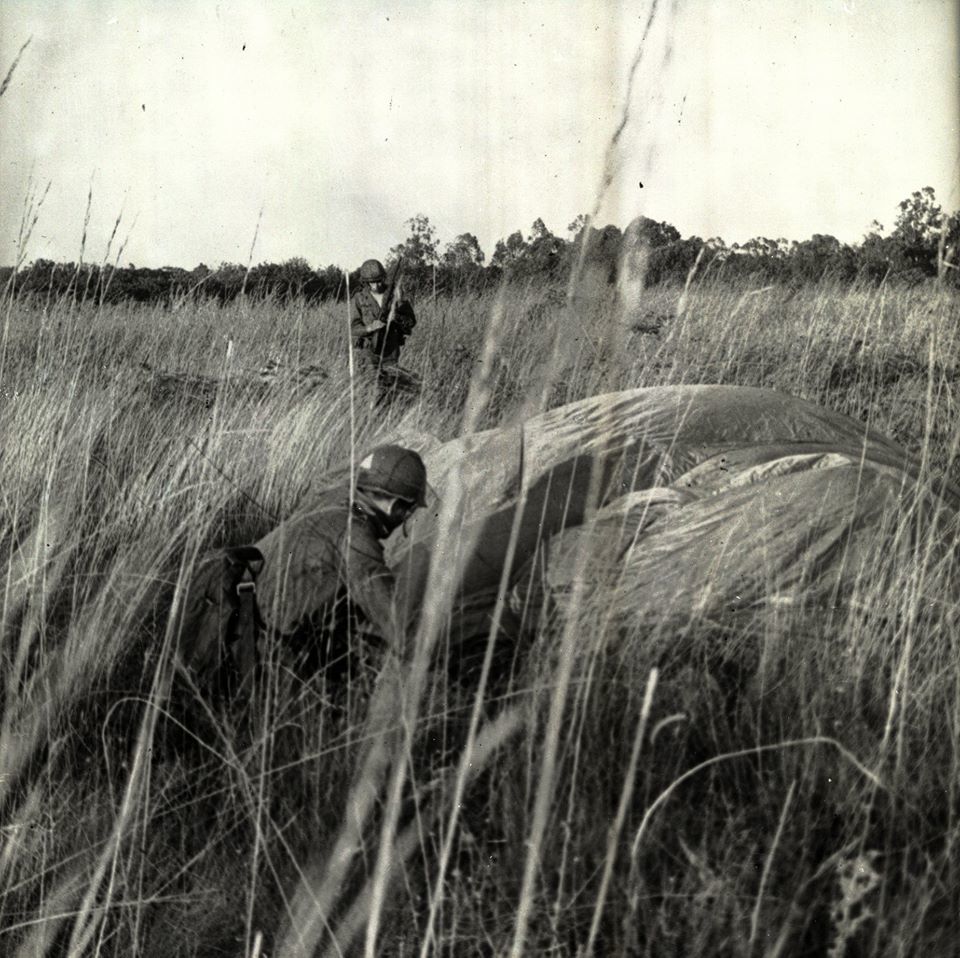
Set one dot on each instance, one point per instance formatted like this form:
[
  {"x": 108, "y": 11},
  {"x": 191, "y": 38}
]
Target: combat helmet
[
  {"x": 372, "y": 271},
  {"x": 394, "y": 471}
]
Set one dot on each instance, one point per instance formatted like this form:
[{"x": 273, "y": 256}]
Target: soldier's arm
[
  {"x": 375, "y": 594},
  {"x": 373, "y": 590},
  {"x": 358, "y": 326}
]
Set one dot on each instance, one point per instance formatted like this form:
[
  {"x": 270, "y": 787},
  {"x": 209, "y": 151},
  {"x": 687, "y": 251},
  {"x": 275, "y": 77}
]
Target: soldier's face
[
  {"x": 400, "y": 511},
  {"x": 378, "y": 286},
  {"x": 393, "y": 511}
]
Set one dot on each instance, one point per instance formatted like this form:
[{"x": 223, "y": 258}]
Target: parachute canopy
[{"x": 670, "y": 502}]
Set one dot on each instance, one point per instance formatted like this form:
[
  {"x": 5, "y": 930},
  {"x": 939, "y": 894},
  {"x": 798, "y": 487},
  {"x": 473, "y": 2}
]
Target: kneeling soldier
[{"x": 310, "y": 573}]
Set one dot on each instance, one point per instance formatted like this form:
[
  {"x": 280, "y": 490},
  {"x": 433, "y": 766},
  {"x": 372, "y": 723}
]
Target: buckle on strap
[{"x": 246, "y": 588}]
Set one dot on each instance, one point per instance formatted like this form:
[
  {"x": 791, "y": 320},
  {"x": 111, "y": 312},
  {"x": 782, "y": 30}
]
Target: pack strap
[{"x": 245, "y": 563}]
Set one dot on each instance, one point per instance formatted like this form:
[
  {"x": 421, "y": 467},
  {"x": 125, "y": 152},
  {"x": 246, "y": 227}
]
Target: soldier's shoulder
[
  {"x": 364, "y": 543},
  {"x": 323, "y": 515},
  {"x": 362, "y": 294},
  {"x": 331, "y": 507}
]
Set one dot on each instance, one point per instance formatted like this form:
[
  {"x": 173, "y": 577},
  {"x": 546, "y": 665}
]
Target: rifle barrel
[{"x": 387, "y": 309}]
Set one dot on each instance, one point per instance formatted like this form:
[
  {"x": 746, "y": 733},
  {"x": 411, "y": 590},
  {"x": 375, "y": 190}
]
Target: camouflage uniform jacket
[
  {"x": 320, "y": 558},
  {"x": 383, "y": 345}
]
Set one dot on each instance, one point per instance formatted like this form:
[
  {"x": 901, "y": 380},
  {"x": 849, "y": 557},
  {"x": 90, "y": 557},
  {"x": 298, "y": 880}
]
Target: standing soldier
[
  {"x": 309, "y": 578},
  {"x": 380, "y": 320}
]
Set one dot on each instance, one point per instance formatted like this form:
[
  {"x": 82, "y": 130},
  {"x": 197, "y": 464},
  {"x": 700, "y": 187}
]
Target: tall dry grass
[{"x": 787, "y": 787}]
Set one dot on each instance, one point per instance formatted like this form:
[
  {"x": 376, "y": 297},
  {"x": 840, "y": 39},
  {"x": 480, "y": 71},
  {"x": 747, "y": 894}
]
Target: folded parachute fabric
[{"x": 668, "y": 504}]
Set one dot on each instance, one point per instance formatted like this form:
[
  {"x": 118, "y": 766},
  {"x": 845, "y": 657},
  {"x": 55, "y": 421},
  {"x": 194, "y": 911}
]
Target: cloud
[{"x": 342, "y": 120}]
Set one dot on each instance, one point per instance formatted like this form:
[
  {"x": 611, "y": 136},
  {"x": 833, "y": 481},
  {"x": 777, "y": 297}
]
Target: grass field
[{"x": 671, "y": 828}]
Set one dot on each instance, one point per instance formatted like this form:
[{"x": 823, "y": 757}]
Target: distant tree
[
  {"x": 419, "y": 249},
  {"x": 911, "y": 250},
  {"x": 917, "y": 230},
  {"x": 420, "y": 254},
  {"x": 463, "y": 252},
  {"x": 226, "y": 281},
  {"x": 509, "y": 252},
  {"x": 538, "y": 231},
  {"x": 820, "y": 257},
  {"x": 877, "y": 255},
  {"x": 330, "y": 284},
  {"x": 544, "y": 254},
  {"x": 674, "y": 261},
  {"x": 644, "y": 231},
  {"x": 718, "y": 246},
  {"x": 762, "y": 246},
  {"x": 286, "y": 280},
  {"x": 637, "y": 265},
  {"x": 261, "y": 279},
  {"x": 461, "y": 266},
  {"x": 598, "y": 251},
  {"x": 295, "y": 276},
  {"x": 920, "y": 217},
  {"x": 923, "y": 242},
  {"x": 578, "y": 225},
  {"x": 759, "y": 260}
]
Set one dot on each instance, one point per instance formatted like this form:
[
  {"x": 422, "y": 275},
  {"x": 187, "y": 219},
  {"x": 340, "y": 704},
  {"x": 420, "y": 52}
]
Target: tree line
[{"x": 924, "y": 242}]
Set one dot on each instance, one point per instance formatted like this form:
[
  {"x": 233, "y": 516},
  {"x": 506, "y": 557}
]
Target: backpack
[{"x": 222, "y": 625}]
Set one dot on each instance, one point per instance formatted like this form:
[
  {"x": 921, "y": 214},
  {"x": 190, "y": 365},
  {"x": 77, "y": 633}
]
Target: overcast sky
[{"x": 340, "y": 120}]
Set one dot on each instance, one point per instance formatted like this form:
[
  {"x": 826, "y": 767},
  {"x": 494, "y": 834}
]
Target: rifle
[{"x": 389, "y": 306}]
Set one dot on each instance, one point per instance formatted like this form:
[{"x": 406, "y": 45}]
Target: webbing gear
[{"x": 243, "y": 565}]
